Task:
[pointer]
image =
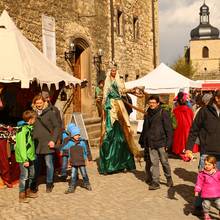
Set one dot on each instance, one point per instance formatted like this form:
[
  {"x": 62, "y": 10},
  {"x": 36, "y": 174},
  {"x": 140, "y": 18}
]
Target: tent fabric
[
  {"x": 163, "y": 80},
  {"x": 22, "y": 62},
  {"x": 210, "y": 86}
]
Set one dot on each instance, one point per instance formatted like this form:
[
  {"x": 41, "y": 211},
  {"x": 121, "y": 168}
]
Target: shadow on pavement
[
  {"x": 141, "y": 175},
  {"x": 186, "y": 192},
  {"x": 185, "y": 175}
]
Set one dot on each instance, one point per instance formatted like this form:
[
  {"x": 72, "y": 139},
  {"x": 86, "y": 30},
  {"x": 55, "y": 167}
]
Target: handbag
[{"x": 58, "y": 141}]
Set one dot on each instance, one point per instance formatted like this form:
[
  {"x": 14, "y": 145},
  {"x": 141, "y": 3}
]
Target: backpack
[{"x": 171, "y": 115}]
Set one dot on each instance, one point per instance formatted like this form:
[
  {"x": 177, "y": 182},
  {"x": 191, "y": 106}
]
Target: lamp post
[
  {"x": 70, "y": 55},
  {"x": 97, "y": 60}
]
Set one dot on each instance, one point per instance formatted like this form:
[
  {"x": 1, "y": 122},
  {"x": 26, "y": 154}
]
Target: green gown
[{"x": 115, "y": 155}]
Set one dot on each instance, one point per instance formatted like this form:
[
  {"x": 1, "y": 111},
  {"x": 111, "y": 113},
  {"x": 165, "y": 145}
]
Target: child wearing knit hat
[
  {"x": 79, "y": 153},
  {"x": 65, "y": 153}
]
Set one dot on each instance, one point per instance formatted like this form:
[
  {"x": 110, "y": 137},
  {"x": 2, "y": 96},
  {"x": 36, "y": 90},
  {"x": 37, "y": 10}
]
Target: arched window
[
  {"x": 120, "y": 23},
  {"x": 205, "y": 52}
]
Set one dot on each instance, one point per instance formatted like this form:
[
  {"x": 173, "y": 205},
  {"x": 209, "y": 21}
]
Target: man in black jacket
[
  {"x": 206, "y": 126},
  {"x": 156, "y": 138}
]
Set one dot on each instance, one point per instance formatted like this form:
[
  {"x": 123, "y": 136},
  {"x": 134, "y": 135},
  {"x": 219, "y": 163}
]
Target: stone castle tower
[
  {"x": 204, "y": 48},
  {"x": 94, "y": 32}
]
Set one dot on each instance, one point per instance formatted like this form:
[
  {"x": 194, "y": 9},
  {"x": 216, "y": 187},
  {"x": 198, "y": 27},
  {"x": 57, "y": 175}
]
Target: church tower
[{"x": 204, "y": 47}]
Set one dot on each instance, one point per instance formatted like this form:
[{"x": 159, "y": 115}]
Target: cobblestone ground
[{"x": 114, "y": 197}]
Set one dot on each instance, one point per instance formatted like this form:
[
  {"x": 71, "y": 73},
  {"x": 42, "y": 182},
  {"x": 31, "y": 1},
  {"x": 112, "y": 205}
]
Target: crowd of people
[{"x": 190, "y": 126}]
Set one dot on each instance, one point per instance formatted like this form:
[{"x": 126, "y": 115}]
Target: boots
[
  {"x": 87, "y": 186},
  {"x": 31, "y": 194},
  {"x": 154, "y": 186},
  {"x": 22, "y": 198},
  {"x": 49, "y": 187}
]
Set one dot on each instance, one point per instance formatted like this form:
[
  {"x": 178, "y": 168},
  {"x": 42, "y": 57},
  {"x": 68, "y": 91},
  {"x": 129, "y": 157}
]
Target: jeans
[
  {"x": 74, "y": 175},
  {"x": 159, "y": 155},
  {"x": 26, "y": 176},
  {"x": 49, "y": 161},
  {"x": 64, "y": 165}
]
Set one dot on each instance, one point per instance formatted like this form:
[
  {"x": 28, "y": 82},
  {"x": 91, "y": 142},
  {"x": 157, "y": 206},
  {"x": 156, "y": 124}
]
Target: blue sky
[{"x": 177, "y": 19}]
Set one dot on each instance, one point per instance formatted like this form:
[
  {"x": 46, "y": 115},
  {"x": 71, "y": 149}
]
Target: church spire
[{"x": 204, "y": 14}]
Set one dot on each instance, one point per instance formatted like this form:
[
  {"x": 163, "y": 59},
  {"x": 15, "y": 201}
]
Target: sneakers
[
  {"x": 49, "y": 187},
  {"x": 169, "y": 182},
  {"x": 154, "y": 186},
  {"x": 31, "y": 194},
  {"x": 71, "y": 189},
  {"x": 22, "y": 198},
  {"x": 88, "y": 187},
  {"x": 207, "y": 216}
]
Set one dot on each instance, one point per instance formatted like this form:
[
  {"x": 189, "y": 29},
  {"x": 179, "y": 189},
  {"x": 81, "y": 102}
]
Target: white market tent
[
  {"x": 163, "y": 79},
  {"x": 21, "y": 61}
]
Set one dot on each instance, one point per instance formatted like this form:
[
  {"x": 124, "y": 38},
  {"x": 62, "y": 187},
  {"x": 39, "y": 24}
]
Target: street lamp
[
  {"x": 70, "y": 55},
  {"x": 97, "y": 60}
]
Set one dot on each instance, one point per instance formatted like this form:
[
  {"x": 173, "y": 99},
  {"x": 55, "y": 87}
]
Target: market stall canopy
[
  {"x": 210, "y": 85},
  {"x": 21, "y": 61},
  {"x": 163, "y": 79}
]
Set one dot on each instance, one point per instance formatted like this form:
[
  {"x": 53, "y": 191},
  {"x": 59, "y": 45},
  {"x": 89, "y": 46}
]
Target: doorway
[{"x": 82, "y": 70}]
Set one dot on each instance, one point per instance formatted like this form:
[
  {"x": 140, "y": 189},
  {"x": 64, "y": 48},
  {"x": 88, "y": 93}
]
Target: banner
[{"x": 49, "y": 37}]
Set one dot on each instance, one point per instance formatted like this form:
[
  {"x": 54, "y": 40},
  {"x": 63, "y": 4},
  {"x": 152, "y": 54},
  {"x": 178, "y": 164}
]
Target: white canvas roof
[
  {"x": 21, "y": 61},
  {"x": 163, "y": 80}
]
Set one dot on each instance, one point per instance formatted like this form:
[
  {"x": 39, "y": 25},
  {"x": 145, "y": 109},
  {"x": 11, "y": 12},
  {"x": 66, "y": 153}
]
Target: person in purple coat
[{"x": 208, "y": 184}]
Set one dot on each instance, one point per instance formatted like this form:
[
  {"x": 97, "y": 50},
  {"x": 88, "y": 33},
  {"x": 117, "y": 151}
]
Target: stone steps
[
  {"x": 94, "y": 134},
  {"x": 89, "y": 121},
  {"x": 93, "y": 127}
]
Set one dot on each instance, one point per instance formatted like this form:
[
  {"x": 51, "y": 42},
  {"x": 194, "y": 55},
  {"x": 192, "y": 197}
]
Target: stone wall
[
  {"x": 135, "y": 56},
  {"x": 207, "y": 68},
  {"x": 90, "y": 20}
]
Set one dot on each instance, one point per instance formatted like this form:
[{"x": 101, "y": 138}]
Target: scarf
[{"x": 152, "y": 113}]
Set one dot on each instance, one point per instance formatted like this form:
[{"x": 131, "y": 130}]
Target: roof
[
  {"x": 22, "y": 62},
  {"x": 204, "y": 30}
]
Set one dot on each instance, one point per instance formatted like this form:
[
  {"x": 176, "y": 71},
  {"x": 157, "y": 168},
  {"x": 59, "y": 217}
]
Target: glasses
[{"x": 152, "y": 102}]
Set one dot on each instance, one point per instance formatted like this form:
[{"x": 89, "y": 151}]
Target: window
[
  {"x": 135, "y": 28},
  {"x": 205, "y": 52},
  {"x": 126, "y": 77},
  {"x": 119, "y": 22}
]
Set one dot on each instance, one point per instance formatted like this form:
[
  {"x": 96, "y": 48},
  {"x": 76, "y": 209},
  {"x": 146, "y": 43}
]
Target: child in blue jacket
[{"x": 79, "y": 153}]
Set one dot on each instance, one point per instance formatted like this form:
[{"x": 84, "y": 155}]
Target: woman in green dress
[{"x": 117, "y": 147}]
